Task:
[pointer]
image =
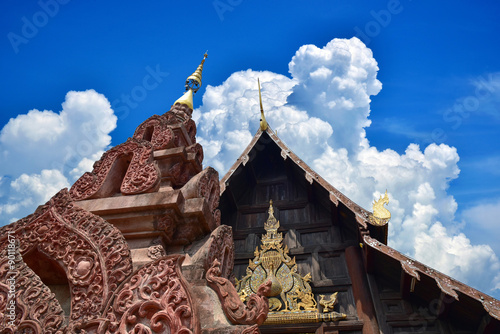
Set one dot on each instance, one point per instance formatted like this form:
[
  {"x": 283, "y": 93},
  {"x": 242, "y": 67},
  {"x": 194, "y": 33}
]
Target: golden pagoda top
[{"x": 193, "y": 84}]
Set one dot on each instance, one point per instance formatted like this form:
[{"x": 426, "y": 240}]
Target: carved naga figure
[{"x": 380, "y": 214}]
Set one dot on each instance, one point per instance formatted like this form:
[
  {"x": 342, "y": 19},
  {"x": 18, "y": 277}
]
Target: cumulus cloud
[
  {"x": 26, "y": 192},
  {"x": 57, "y": 140},
  {"x": 51, "y": 150},
  {"x": 321, "y": 112}
]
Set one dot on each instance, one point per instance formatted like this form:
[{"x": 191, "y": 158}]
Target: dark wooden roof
[
  {"x": 268, "y": 136},
  {"x": 325, "y": 229}
]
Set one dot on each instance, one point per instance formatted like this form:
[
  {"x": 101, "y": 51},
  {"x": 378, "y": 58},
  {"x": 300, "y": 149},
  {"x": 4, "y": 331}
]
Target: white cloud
[
  {"x": 229, "y": 111},
  {"x": 28, "y": 191},
  {"x": 321, "y": 113},
  {"x": 51, "y": 150},
  {"x": 57, "y": 140}
]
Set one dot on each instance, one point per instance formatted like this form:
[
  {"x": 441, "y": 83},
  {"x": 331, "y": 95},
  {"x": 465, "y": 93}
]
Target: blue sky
[{"x": 437, "y": 63}]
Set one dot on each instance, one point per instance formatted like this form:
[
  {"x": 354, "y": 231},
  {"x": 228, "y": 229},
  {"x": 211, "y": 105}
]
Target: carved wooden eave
[
  {"x": 416, "y": 278},
  {"x": 362, "y": 216}
]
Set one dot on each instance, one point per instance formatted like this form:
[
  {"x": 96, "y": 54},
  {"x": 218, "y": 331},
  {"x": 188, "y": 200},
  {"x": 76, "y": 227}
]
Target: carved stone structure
[{"x": 135, "y": 246}]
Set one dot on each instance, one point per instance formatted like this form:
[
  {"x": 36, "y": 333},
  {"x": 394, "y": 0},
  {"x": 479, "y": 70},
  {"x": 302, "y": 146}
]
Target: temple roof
[
  {"x": 362, "y": 215},
  {"x": 413, "y": 277}
]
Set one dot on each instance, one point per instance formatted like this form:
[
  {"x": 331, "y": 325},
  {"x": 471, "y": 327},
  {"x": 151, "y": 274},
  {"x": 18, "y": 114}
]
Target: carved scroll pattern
[
  {"x": 257, "y": 307},
  {"x": 162, "y": 136},
  {"x": 197, "y": 150},
  {"x": 93, "y": 253},
  {"x": 36, "y": 308},
  {"x": 143, "y": 174},
  {"x": 153, "y": 300},
  {"x": 222, "y": 247},
  {"x": 190, "y": 126},
  {"x": 178, "y": 113},
  {"x": 181, "y": 173},
  {"x": 209, "y": 188},
  {"x": 251, "y": 330},
  {"x": 167, "y": 224}
]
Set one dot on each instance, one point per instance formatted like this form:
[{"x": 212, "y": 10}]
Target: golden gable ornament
[{"x": 291, "y": 299}]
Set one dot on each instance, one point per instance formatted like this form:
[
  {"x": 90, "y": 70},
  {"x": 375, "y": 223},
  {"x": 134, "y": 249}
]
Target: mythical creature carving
[
  {"x": 132, "y": 159},
  {"x": 156, "y": 251},
  {"x": 380, "y": 214},
  {"x": 328, "y": 304},
  {"x": 256, "y": 308},
  {"x": 92, "y": 252}
]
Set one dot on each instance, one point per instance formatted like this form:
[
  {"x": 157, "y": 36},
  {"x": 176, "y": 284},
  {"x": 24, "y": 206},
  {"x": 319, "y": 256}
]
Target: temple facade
[
  {"x": 327, "y": 257},
  {"x": 149, "y": 241}
]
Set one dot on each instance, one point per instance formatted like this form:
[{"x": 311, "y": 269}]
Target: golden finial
[
  {"x": 194, "y": 80},
  {"x": 263, "y": 122},
  {"x": 193, "y": 83},
  {"x": 380, "y": 214}
]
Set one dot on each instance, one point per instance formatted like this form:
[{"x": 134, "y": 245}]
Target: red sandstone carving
[
  {"x": 190, "y": 126},
  {"x": 221, "y": 247},
  {"x": 92, "y": 252},
  {"x": 180, "y": 173},
  {"x": 134, "y": 158},
  {"x": 156, "y": 251},
  {"x": 205, "y": 185},
  {"x": 153, "y": 300},
  {"x": 178, "y": 113},
  {"x": 188, "y": 232},
  {"x": 251, "y": 330},
  {"x": 167, "y": 224},
  {"x": 257, "y": 307},
  {"x": 197, "y": 151},
  {"x": 156, "y": 130},
  {"x": 36, "y": 308}
]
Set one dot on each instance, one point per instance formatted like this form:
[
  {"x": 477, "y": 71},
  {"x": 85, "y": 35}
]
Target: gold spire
[
  {"x": 193, "y": 83},
  {"x": 194, "y": 80},
  {"x": 186, "y": 98},
  {"x": 263, "y": 122}
]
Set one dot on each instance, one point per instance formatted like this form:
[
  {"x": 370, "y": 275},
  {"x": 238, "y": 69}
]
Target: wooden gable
[{"x": 332, "y": 238}]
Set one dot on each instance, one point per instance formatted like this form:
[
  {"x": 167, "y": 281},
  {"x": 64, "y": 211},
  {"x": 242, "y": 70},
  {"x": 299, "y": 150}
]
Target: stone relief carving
[
  {"x": 257, "y": 307},
  {"x": 153, "y": 299},
  {"x": 36, "y": 308},
  {"x": 135, "y": 157},
  {"x": 92, "y": 252}
]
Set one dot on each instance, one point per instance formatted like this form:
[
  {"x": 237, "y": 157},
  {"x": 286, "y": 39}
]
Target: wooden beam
[
  {"x": 488, "y": 325},
  {"x": 360, "y": 290}
]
